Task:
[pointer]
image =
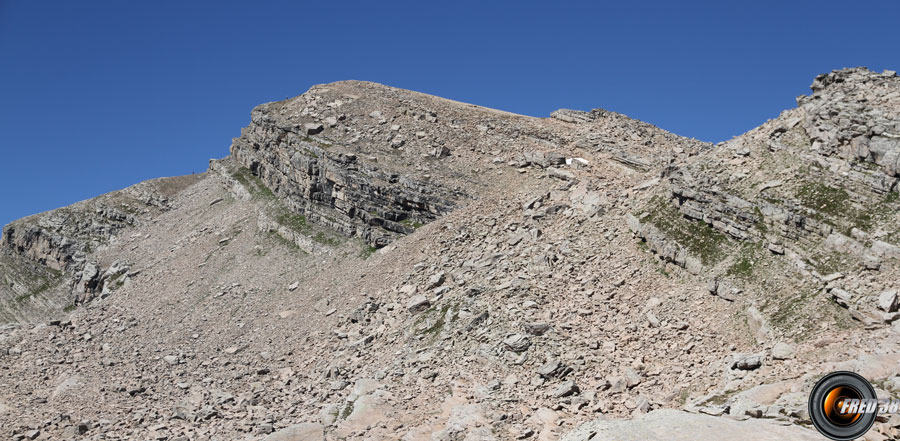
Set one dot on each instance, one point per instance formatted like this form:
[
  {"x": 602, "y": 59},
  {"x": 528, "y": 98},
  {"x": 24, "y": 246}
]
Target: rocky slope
[{"x": 374, "y": 263}]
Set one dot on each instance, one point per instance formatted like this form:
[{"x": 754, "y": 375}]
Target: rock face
[
  {"x": 378, "y": 264},
  {"x": 61, "y": 241},
  {"x": 817, "y": 185},
  {"x": 332, "y": 185}
]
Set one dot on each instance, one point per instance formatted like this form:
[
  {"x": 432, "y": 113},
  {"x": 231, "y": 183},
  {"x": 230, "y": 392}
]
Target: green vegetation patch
[
  {"x": 823, "y": 198},
  {"x": 411, "y": 223},
  {"x": 746, "y": 260},
  {"x": 367, "y": 251},
  {"x": 431, "y": 322},
  {"x": 830, "y": 262},
  {"x": 41, "y": 283},
  {"x": 696, "y": 237},
  {"x": 296, "y": 222},
  {"x": 834, "y": 206},
  {"x": 347, "y": 410},
  {"x": 252, "y": 183}
]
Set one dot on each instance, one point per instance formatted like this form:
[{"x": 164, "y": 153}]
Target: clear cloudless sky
[{"x": 98, "y": 95}]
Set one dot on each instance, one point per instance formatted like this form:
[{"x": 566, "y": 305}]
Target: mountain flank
[{"x": 370, "y": 263}]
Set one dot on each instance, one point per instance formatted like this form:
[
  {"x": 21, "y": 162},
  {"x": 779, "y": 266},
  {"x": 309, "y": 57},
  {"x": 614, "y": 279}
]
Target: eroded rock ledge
[{"x": 332, "y": 186}]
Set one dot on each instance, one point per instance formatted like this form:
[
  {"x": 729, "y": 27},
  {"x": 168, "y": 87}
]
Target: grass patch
[
  {"x": 367, "y": 251},
  {"x": 822, "y": 198},
  {"x": 321, "y": 144},
  {"x": 296, "y": 222},
  {"x": 803, "y": 313},
  {"x": 722, "y": 398},
  {"x": 761, "y": 223},
  {"x": 299, "y": 224},
  {"x": 325, "y": 239},
  {"x": 252, "y": 183},
  {"x": 277, "y": 238},
  {"x": 43, "y": 283},
  {"x": 431, "y": 322},
  {"x": 346, "y": 411},
  {"x": 411, "y": 223},
  {"x": 835, "y": 207},
  {"x": 696, "y": 237},
  {"x": 746, "y": 261},
  {"x": 683, "y": 396},
  {"x": 830, "y": 262},
  {"x": 69, "y": 308}
]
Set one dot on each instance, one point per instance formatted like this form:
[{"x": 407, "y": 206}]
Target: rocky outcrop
[
  {"x": 827, "y": 168},
  {"x": 92, "y": 281},
  {"x": 62, "y": 239},
  {"x": 334, "y": 188},
  {"x": 61, "y": 244}
]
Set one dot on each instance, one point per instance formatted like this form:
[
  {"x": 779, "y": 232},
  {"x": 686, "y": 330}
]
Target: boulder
[
  {"x": 517, "y": 343},
  {"x": 888, "y": 301}
]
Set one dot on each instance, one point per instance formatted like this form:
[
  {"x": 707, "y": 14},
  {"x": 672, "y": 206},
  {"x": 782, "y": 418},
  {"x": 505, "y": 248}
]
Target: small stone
[
  {"x": 565, "y": 389},
  {"x": 632, "y": 377},
  {"x": 841, "y": 297},
  {"x": 293, "y": 286},
  {"x": 887, "y": 301},
  {"x": 313, "y": 128},
  {"x": 747, "y": 362},
  {"x": 553, "y": 368},
  {"x": 517, "y": 343},
  {"x": 536, "y": 328},
  {"x": 171, "y": 359},
  {"x": 436, "y": 280},
  {"x": 782, "y": 351},
  {"x": 560, "y": 174},
  {"x": 417, "y": 304},
  {"x": 616, "y": 384},
  {"x": 832, "y": 277}
]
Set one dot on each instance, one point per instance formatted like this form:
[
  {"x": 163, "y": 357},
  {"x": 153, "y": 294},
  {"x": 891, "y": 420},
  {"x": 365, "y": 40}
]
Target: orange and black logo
[{"x": 843, "y": 405}]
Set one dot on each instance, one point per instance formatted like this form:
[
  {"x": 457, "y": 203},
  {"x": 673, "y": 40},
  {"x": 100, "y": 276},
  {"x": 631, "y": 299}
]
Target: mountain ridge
[{"x": 382, "y": 264}]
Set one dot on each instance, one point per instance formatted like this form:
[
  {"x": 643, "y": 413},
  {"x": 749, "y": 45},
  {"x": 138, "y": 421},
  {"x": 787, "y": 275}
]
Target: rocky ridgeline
[
  {"x": 340, "y": 156},
  {"x": 820, "y": 180},
  {"x": 63, "y": 240},
  {"x": 376, "y": 162},
  {"x": 633, "y": 143}
]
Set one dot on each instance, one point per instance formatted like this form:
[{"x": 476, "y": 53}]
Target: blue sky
[{"x": 99, "y": 95}]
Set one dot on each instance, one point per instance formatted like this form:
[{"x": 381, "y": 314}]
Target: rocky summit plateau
[{"x": 370, "y": 263}]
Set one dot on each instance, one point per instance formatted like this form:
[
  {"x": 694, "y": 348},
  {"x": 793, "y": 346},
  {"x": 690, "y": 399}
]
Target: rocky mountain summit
[{"x": 371, "y": 263}]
